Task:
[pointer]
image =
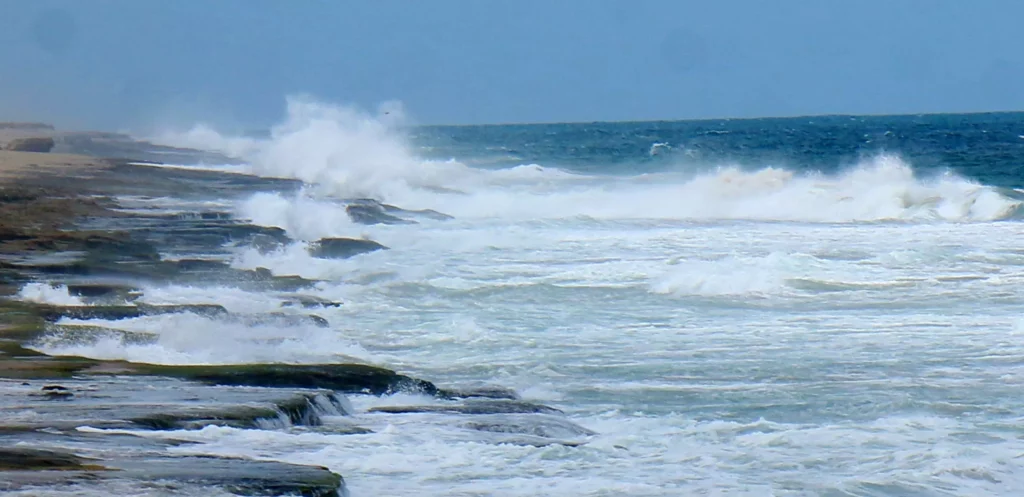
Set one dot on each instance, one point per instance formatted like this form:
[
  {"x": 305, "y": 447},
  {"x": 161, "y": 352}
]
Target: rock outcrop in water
[
  {"x": 27, "y": 459},
  {"x": 69, "y": 234},
  {"x": 369, "y": 211},
  {"x": 23, "y": 470},
  {"x": 342, "y": 248},
  {"x": 473, "y": 407},
  {"x": 343, "y": 378}
]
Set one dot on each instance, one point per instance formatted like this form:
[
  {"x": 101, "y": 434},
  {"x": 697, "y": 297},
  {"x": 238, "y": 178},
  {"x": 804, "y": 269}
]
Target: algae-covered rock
[
  {"x": 43, "y": 367},
  {"x": 86, "y": 334}
]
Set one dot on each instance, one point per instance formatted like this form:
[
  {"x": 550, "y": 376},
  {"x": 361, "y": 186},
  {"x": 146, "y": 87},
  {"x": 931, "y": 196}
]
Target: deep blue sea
[{"x": 819, "y": 306}]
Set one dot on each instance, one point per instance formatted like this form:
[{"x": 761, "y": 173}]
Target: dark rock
[
  {"x": 318, "y": 321},
  {"x": 240, "y": 476},
  {"x": 472, "y": 407},
  {"x": 40, "y": 144},
  {"x": 56, "y": 392},
  {"x": 117, "y": 312},
  {"x": 168, "y": 475},
  {"x": 486, "y": 392},
  {"x": 101, "y": 290},
  {"x": 235, "y": 417},
  {"x": 25, "y": 459},
  {"x": 201, "y": 265},
  {"x": 122, "y": 402},
  {"x": 281, "y": 319},
  {"x": 342, "y": 248},
  {"x": 307, "y": 301},
  {"x": 373, "y": 214},
  {"x": 538, "y": 425},
  {"x": 345, "y": 378},
  {"x": 378, "y": 210}
]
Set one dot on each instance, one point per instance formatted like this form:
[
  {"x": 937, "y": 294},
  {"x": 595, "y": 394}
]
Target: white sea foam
[
  {"x": 45, "y": 293},
  {"x": 186, "y": 338},
  {"x": 303, "y": 215}
]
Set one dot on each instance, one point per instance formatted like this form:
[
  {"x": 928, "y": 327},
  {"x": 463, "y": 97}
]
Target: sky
[{"x": 116, "y": 64}]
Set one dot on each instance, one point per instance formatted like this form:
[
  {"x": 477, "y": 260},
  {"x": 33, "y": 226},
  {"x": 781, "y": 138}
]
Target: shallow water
[{"x": 826, "y": 306}]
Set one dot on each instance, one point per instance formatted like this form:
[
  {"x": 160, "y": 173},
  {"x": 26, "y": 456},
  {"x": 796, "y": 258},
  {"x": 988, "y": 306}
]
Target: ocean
[{"x": 813, "y": 306}]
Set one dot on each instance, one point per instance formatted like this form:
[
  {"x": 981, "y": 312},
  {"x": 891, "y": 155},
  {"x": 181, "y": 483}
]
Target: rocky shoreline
[{"x": 68, "y": 423}]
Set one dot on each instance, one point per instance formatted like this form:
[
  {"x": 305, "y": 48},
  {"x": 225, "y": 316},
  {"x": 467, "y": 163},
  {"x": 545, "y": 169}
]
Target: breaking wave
[{"x": 346, "y": 153}]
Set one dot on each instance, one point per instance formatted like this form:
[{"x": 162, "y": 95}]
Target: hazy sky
[{"x": 117, "y": 63}]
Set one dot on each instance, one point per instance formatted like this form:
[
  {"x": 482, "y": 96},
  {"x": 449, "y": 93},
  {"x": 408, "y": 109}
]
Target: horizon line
[{"x": 702, "y": 119}]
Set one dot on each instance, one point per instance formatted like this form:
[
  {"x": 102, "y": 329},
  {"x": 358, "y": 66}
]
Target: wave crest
[{"x": 351, "y": 153}]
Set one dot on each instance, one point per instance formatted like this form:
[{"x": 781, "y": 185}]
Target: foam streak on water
[{"x": 747, "y": 329}]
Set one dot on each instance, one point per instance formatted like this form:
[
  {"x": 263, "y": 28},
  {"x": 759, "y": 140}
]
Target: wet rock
[
  {"x": 282, "y": 319},
  {"x": 56, "y": 392},
  {"x": 369, "y": 211},
  {"x": 169, "y": 474},
  {"x": 194, "y": 419},
  {"x": 108, "y": 291},
  {"x": 27, "y": 459},
  {"x": 40, "y": 144},
  {"x": 538, "y": 425},
  {"x": 163, "y": 404},
  {"x": 15, "y": 349},
  {"x": 486, "y": 392},
  {"x": 344, "y": 378},
  {"x": 307, "y": 302},
  {"x": 43, "y": 367},
  {"x": 318, "y": 321},
  {"x": 88, "y": 334},
  {"x": 373, "y": 214},
  {"x": 98, "y": 247},
  {"x": 201, "y": 265},
  {"x": 472, "y": 407},
  {"x": 118, "y": 312},
  {"x": 241, "y": 476},
  {"x": 342, "y": 248},
  {"x": 198, "y": 271}
]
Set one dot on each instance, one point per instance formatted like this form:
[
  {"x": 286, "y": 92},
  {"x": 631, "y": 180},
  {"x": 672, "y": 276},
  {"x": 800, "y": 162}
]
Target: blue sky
[{"x": 120, "y": 63}]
